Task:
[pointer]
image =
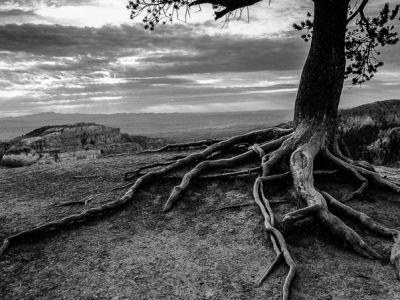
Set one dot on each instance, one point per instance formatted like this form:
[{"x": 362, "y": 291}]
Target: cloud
[
  {"x": 47, "y": 65},
  {"x": 272, "y": 19},
  {"x": 174, "y": 49}
]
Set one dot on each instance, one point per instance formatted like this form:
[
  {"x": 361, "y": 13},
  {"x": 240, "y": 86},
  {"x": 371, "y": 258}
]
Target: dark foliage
[{"x": 363, "y": 40}]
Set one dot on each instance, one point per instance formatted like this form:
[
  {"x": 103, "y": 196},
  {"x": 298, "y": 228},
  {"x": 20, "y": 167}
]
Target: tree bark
[{"x": 322, "y": 78}]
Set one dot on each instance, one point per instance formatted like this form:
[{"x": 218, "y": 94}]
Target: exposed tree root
[
  {"x": 253, "y": 137},
  {"x": 372, "y": 176},
  {"x": 301, "y": 164},
  {"x": 370, "y": 225},
  {"x": 214, "y": 164},
  {"x": 90, "y": 198},
  {"x": 270, "y": 269},
  {"x": 280, "y": 249},
  {"x": 239, "y": 205},
  {"x": 337, "y": 147},
  {"x": 232, "y": 174},
  {"x": 85, "y": 177},
  {"x": 71, "y": 203},
  {"x": 346, "y": 167},
  {"x": 133, "y": 174},
  {"x": 277, "y": 241},
  {"x": 182, "y": 146},
  {"x": 284, "y": 154},
  {"x": 250, "y": 172}
]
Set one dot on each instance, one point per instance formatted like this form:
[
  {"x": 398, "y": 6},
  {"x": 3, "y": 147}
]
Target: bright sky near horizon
[{"x": 88, "y": 56}]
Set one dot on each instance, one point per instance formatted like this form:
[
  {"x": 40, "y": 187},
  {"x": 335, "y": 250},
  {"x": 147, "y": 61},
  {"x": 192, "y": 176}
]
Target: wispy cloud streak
[{"x": 87, "y": 56}]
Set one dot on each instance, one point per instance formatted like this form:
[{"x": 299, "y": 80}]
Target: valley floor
[{"x": 194, "y": 252}]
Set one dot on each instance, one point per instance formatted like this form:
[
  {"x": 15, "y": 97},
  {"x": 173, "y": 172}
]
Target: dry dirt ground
[{"x": 194, "y": 252}]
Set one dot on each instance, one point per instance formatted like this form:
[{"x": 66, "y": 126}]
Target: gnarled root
[
  {"x": 252, "y": 137},
  {"x": 348, "y": 168},
  {"x": 132, "y": 174},
  {"x": 372, "y": 176},
  {"x": 370, "y": 225},
  {"x": 214, "y": 164},
  {"x": 301, "y": 164},
  {"x": 277, "y": 240},
  {"x": 182, "y": 146},
  {"x": 292, "y": 154}
]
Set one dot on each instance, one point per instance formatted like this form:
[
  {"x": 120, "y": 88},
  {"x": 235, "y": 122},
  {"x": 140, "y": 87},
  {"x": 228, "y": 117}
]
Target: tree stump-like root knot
[{"x": 282, "y": 153}]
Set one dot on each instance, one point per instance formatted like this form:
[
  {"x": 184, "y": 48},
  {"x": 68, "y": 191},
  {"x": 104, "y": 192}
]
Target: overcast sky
[{"x": 87, "y": 56}]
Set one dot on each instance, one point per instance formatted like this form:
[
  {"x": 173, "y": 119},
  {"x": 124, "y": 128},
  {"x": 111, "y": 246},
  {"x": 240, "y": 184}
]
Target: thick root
[
  {"x": 301, "y": 166},
  {"x": 347, "y": 235},
  {"x": 220, "y": 163},
  {"x": 254, "y": 136},
  {"x": 133, "y": 174},
  {"x": 275, "y": 147},
  {"x": 337, "y": 147},
  {"x": 250, "y": 138},
  {"x": 370, "y": 225},
  {"x": 373, "y": 177},
  {"x": 232, "y": 174},
  {"x": 359, "y": 216},
  {"x": 277, "y": 240},
  {"x": 347, "y": 168},
  {"x": 182, "y": 146},
  {"x": 270, "y": 269}
]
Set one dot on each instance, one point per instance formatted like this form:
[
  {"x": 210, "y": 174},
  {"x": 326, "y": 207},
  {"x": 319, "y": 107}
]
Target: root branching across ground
[{"x": 269, "y": 155}]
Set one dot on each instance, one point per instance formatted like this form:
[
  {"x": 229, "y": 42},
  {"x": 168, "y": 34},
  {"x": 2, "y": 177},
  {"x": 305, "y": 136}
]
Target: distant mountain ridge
[
  {"x": 371, "y": 131},
  {"x": 171, "y": 125},
  {"x": 382, "y": 113}
]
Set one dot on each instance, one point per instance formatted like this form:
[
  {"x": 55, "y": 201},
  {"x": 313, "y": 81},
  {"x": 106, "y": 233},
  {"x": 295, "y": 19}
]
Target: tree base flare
[{"x": 280, "y": 154}]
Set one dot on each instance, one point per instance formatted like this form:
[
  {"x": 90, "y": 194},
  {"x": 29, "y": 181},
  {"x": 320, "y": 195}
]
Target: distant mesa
[{"x": 61, "y": 143}]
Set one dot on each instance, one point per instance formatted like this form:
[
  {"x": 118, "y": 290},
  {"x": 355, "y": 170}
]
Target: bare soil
[{"x": 194, "y": 252}]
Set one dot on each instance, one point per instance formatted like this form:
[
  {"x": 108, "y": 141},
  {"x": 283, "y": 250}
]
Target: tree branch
[
  {"x": 230, "y": 5},
  {"x": 359, "y": 10}
]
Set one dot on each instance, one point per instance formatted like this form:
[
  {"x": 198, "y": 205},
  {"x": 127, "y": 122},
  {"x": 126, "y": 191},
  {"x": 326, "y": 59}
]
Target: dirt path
[{"x": 194, "y": 252}]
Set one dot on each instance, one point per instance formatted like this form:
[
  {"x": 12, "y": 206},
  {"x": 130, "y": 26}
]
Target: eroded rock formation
[
  {"x": 371, "y": 132},
  {"x": 386, "y": 149},
  {"x": 71, "y": 142}
]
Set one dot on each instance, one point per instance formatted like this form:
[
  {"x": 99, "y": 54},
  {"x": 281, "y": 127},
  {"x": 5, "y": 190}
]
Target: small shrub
[{"x": 18, "y": 160}]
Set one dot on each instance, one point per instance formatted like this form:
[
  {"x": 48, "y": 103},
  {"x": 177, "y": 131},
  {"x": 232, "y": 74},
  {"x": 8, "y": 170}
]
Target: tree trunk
[{"x": 323, "y": 73}]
